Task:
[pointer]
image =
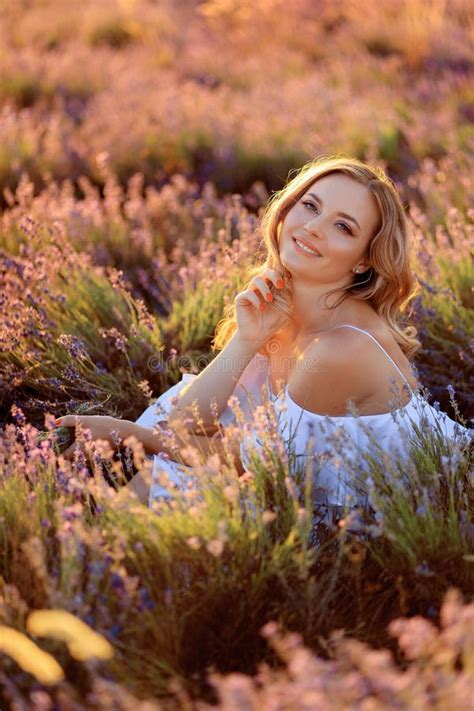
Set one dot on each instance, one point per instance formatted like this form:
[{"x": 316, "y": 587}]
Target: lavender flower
[{"x": 74, "y": 346}]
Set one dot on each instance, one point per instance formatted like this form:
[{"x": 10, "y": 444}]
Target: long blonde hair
[{"x": 391, "y": 283}]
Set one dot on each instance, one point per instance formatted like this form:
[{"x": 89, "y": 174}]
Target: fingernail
[
  {"x": 262, "y": 306},
  {"x": 269, "y": 297},
  {"x": 280, "y": 283}
]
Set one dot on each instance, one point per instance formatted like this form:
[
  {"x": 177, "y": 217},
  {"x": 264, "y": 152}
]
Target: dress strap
[{"x": 381, "y": 348}]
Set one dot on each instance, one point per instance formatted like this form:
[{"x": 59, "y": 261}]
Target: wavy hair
[{"x": 390, "y": 284}]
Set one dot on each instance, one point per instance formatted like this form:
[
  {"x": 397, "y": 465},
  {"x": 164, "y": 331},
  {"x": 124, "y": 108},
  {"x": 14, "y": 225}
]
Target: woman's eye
[
  {"x": 306, "y": 202},
  {"x": 344, "y": 225}
]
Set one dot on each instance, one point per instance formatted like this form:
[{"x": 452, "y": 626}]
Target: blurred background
[{"x": 231, "y": 91}]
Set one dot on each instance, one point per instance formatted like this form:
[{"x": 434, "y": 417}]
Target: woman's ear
[{"x": 361, "y": 268}]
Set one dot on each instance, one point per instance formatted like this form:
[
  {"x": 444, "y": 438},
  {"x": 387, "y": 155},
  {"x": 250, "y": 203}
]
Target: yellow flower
[
  {"x": 29, "y": 656},
  {"x": 83, "y": 643}
]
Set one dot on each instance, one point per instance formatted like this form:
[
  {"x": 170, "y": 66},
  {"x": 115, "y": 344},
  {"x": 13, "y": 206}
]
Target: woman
[{"x": 320, "y": 318}]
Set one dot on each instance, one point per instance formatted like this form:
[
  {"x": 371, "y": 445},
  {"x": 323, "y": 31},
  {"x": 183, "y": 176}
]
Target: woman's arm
[
  {"x": 215, "y": 383},
  {"x": 141, "y": 487},
  {"x": 154, "y": 442},
  {"x": 258, "y": 315}
]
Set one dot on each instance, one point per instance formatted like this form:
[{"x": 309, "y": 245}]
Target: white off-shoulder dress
[{"x": 308, "y": 434}]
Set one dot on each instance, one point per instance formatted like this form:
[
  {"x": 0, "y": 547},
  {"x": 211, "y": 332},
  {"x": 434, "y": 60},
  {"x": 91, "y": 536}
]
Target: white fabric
[
  {"x": 331, "y": 484},
  {"x": 389, "y": 432},
  {"x": 250, "y": 382}
]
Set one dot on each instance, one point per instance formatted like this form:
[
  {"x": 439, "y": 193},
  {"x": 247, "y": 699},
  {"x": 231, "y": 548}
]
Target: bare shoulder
[
  {"x": 342, "y": 365},
  {"x": 339, "y": 348},
  {"x": 331, "y": 371}
]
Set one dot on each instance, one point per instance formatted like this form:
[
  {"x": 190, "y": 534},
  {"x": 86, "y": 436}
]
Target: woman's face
[{"x": 342, "y": 242}]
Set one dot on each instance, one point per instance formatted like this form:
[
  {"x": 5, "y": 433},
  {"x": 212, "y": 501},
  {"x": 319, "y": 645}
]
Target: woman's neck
[{"x": 311, "y": 315}]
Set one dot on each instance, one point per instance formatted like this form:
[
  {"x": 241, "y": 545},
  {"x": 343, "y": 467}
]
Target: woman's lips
[{"x": 302, "y": 251}]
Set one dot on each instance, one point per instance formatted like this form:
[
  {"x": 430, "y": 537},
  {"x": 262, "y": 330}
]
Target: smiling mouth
[{"x": 304, "y": 247}]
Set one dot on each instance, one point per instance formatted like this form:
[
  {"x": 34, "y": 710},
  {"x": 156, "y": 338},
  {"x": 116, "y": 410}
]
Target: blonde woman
[{"x": 318, "y": 324}]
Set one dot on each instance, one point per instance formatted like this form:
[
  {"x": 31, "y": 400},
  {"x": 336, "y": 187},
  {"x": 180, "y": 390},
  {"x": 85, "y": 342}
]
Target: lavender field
[{"x": 140, "y": 141}]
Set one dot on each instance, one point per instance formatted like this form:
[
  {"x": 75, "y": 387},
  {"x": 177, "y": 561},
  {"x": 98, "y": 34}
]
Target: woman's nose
[{"x": 313, "y": 228}]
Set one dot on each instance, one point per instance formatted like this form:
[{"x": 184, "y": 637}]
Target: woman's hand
[
  {"x": 100, "y": 426},
  {"x": 262, "y": 309}
]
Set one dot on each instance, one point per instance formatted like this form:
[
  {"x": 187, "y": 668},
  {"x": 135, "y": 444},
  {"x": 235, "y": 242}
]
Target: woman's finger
[
  {"x": 249, "y": 296},
  {"x": 67, "y": 420},
  {"x": 275, "y": 277},
  {"x": 260, "y": 286}
]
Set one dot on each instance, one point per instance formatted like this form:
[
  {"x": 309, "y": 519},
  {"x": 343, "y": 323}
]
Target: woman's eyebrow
[{"x": 342, "y": 214}]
